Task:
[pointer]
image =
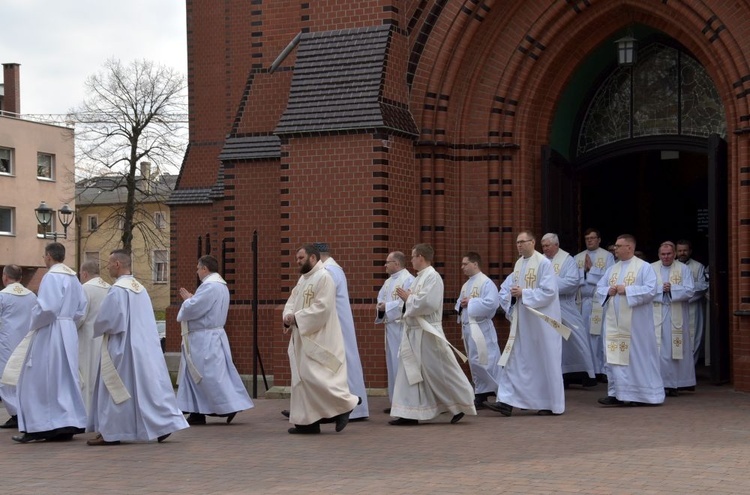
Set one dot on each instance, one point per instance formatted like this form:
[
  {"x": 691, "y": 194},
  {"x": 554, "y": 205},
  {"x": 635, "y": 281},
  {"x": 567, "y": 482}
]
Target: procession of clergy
[{"x": 79, "y": 358}]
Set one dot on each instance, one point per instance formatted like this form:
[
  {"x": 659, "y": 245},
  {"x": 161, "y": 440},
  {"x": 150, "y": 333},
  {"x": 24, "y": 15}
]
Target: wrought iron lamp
[{"x": 44, "y": 217}]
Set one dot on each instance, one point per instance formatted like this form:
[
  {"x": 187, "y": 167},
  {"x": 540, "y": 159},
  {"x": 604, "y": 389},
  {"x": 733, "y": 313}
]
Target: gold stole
[
  {"x": 675, "y": 277},
  {"x": 475, "y": 332},
  {"x": 596, "y": 318},
  {"x": 529, "y": 280},
  {"x": 618, "y": 323}
]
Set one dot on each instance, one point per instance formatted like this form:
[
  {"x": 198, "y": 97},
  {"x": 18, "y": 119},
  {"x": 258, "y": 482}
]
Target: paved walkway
[{"x": 695, "y": 443}]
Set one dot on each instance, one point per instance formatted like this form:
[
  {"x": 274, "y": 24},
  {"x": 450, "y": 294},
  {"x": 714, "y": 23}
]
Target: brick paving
[{"x": 695, "y": 443}]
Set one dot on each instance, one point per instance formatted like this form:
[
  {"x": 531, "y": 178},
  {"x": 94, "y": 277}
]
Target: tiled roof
[
  {"x": 251, "y": 148},
  {"x": 337, "y": 84},
  {"x": 190, "y": 196},
  {"x": 110, "y": 189}
]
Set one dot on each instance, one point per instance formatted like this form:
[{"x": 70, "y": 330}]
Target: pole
[{"x": 255, "y": 314}]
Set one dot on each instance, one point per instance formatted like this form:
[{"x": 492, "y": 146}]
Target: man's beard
[
  {"x": 683, "y": 259},
  {"x": 306, "y": 267}
]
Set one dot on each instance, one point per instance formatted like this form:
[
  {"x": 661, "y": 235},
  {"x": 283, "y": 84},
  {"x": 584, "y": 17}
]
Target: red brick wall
[{"x": 486, "y": 72}]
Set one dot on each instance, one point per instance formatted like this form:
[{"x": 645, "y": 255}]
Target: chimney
[
  {"x": 146, "y": 175},
  {"x": 12, "y": 88}
]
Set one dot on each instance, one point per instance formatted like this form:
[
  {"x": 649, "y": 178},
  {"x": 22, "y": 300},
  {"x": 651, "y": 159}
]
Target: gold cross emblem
[
  {"x": 530, "y": 278},
  {"x": 474, "y": 292},
  {"x": 677, "y": 342},
  {"x": 629, "y": 279},
  {"x": 135, "y": 285},
  {"x": 613, "y": 279},
  {"x": 394, "y": 294},
  {"x": 557, "y": 268},
  {"x": 309, "y": 294},
  {"x": 676, "y": 279},
  {"x": 599, "y": 263},
  {"x": 18, "y": 289}
]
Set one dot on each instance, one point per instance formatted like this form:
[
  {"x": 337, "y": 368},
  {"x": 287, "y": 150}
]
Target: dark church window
[{"x": 667, "y": 93}]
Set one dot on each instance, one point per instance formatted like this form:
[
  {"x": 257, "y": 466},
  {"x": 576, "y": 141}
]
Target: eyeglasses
[
  {"x": 618, "y": 246},
  {"x": 389, "y": 261},
  {"x": 521, "y": 242}
]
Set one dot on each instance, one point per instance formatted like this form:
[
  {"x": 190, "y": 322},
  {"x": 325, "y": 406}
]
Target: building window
[
  {"x": 92, "y": 222},
  {"x": 41, "y": 230},
  {"x": 6, "y": 161},
  {"x": 161, "y": 266},
  {"x": 45, "y": 166},
  {"x": 6, "y": 220},
  {"x": 120, "y": 223},
  {"x": 160, "y": 220}
]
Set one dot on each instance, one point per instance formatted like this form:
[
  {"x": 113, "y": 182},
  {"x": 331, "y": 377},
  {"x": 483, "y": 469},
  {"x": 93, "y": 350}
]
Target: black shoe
[
  {"x": 342, "y": 420},
  {"x": 196, "y": 419},
  {"x": 231, "y": 416},
  {"x": 589, "y": 382},
  {"x": 305, "y": 429},
  {"x": 501, "y": 407},
  {"x": 387, "y": 410},
  {"x": 162, "y": 438},
  {"x": 285, "y": 413},
  {"x": 545, "y": 412},
  {"x": 601, "y": 378},
  {"x": 11, "y": 423},
  {"x": 671, "y": 392},
  {"x": 479, "y": 404},
  {"x": 28, "y": 437},
  {"x": 403, "y": 422},
  {"x": 610, "y": 401},
  {"x": 456, "y": 418}
]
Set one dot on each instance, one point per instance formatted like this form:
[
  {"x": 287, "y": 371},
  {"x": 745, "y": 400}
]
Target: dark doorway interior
[{"x": 653, "y": 195}]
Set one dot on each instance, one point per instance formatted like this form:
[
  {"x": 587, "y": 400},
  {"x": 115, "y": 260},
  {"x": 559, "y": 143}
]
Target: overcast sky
[{"x": 59, "y": 43}]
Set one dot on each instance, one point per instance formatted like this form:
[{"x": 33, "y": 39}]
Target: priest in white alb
[
  {"x": 429, "y": 381},
  {"x": 134, "y": 400},
  {"x": 355, "y": 375},
  {"x": 16, "y": 302},
  {"x": 45, "y": 364},
  {"x": 577, "y": 358},
  {"x": 674, "y": 288},
  {"x": 90, "y": 347},
  {"x": 697, "y": 303},
  {"x": 593, "y": 262},
  {"x": 208, "y": 382},
  {"x": 476, "y": 306},
  {"x": 389, "y": 310},
  {"x": 627, "y": 291},
  {"x": 530, "y": 376},
  {"x": 320, "y": 391}
]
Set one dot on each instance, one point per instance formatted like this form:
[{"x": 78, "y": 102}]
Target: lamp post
[{"x": 44, "y": 217}]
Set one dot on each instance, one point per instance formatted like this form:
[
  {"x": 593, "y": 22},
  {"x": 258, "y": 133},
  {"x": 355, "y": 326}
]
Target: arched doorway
[{"x": 644, "y": 158}]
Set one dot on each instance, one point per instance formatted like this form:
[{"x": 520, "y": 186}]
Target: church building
[{"x": 373, "y": 125}]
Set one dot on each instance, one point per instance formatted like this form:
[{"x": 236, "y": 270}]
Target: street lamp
[
  {"x": 626, "y": 50},
  {"x": 44, "y": 217}
]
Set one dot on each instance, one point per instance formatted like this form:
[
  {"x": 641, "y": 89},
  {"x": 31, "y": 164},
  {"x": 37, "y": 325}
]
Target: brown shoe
[{"x": 99, "y": 440}]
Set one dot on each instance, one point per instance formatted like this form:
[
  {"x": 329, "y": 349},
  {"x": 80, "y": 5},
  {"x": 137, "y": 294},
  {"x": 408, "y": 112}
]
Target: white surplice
[
  {"x": 675, "y": 373},
  {"x": 220, "y": 390},
  {"x": 640, "y": 380},
  {"x": 576, "y": 351},
  {"x": 391, "y": 317},
  {"x": 354, "y": 371},
  {"x": 531, "y": 379},
  {"x": 16, "y": 303},
  {"x": 127, "y": 319},
  {"x": 49, "y": 392},
  {"x": 601, "y": 260},
  {"x": 90, "y": 347},
  {"x": 697, "y": 306},
  {"x": 481, "y": 348},
  {"x": 317, "y": 357},
  {"x": 442, "y": 385}
]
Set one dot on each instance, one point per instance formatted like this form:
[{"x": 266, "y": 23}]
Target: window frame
[
  {"x": 160, "y": 224},
  {"x": 12, "y": 214},
  {"x": 11, "y": 156},
  {"x": 156, "y": 275},
  {"x": 51, "y": 156},
  {"x": 95, "y": 218}
]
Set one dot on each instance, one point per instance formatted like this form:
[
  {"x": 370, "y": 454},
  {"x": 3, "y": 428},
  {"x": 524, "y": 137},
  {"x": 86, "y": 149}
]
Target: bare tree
[{"x": 131, "y": 113}]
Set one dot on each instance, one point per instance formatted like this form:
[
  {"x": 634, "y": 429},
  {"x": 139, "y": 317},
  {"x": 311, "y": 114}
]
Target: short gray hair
[{"x": 551, "y": 237}]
